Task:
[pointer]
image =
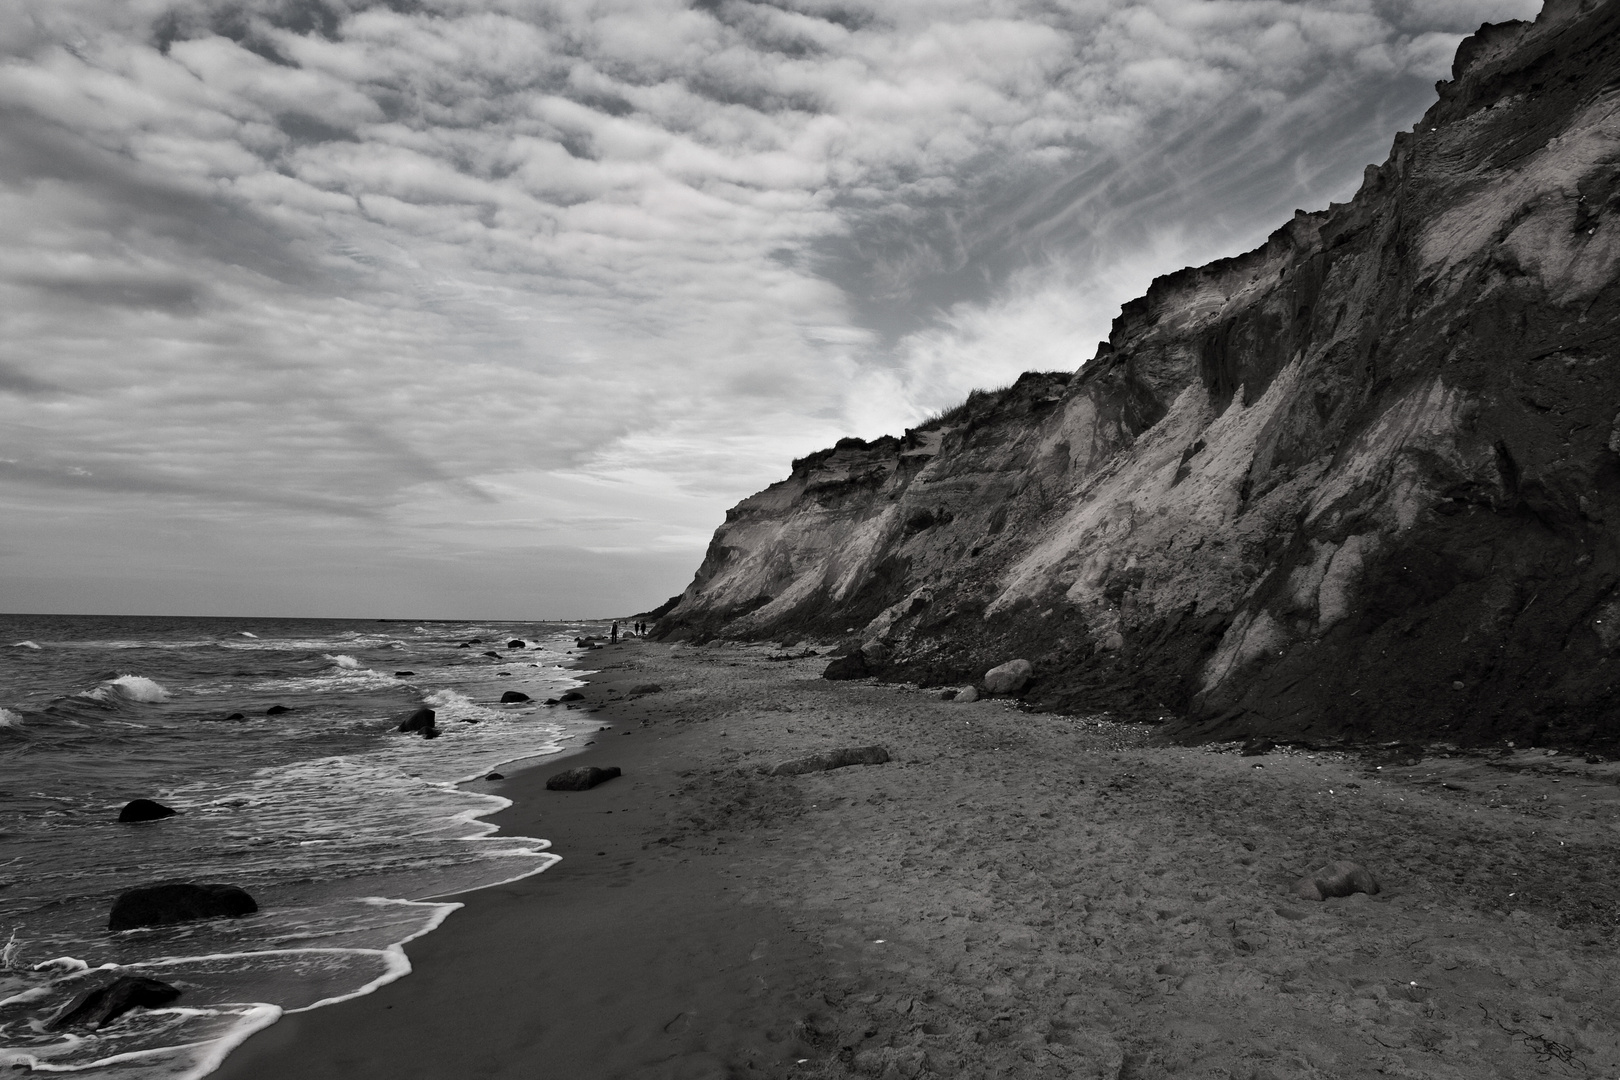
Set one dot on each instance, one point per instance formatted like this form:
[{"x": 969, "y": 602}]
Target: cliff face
[{"x": 1363, "y": 480}]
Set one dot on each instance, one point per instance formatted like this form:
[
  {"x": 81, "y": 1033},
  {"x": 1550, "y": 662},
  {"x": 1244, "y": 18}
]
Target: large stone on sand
[
  {"x": 832, "y": 759},
  {"x": 1009, "y": 678},
  {"x": 144, "y": 810},
  {"x": 967, "y": 695},
  {"x": 1336, "y": 879},
  {"x": 581, "y": 779},
  {"x": 170, "y": 902},
  {"x": 514, "y": 697},
  {"x": 101, "y": 1005},
  {"x": 852, "y": 666}
]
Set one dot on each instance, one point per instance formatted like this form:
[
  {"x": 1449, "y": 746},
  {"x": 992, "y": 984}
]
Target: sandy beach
[{"x": 1012, "y": 895}]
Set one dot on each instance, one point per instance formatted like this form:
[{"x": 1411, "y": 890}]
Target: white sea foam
[
  {"x": 454, "y": 705},
  {"x": 9, "y": 718},
  {"x": 348, "y": 663},
  {"x": 246, "y": 633},
  {"x": 129, "y": 688},
  {"x": 62, "y": 963},
  {"x": 26, "y": 645}
]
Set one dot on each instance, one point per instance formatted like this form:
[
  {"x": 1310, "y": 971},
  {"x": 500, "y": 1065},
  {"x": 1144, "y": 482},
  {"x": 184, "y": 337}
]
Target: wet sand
[{"x": 1013, "y": 895}]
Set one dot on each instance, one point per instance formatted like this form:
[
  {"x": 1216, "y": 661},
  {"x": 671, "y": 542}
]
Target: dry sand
[{"x": 1014, "y": 895}]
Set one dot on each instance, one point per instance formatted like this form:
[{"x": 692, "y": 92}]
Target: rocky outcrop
[
  {"x": 101, "y": 1005},
  {"x": 582, "y": 778},
  {"x": 170, "y": 902},
  {"x": 144, "y": 810},
  {"x": 1363, "y": 481}
]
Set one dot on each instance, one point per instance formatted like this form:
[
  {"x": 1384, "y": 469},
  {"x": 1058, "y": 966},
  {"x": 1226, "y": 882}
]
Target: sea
[{"x": 276, "y": 742}]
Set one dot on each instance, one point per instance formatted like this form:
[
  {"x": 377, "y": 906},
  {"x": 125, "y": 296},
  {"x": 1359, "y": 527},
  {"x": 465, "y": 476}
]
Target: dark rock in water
[
  {"x": 495, "y": 776},
  {"x": 403, "y": 674},
  {"x": 465, "y": 645},
  {"x": 852, "y": 666},
  {"x": 581, "y": 779},
  {"x": 496, "y": 655},
  {"x": 178, "y": 901},
  {"x": 100, "y": 1005},
  {"x": 430, "y": 733},
  {"x": 513, "y": 697},
  {"x": 572, "y": 695},
  {"x": 552, "y": 701},
  {"x": 276, "y": 710},
  {"x": 475, "y": 641},
  {"x": 416, "y": 720},
  {"x": 645, "y": 688},
  {"x": 832, "y": 759},
  {"x": 236, "y": 716},
  {"x": 516, "y": 643},
  {"x": 1257, "y": 748},
  {"x": 144, "y": 810},
  {"x": 1009, "y": 678},
  {"x": 1336, "y": 879}
]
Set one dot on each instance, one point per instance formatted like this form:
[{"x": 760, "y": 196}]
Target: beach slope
[{"x": 1012, "y": 894}]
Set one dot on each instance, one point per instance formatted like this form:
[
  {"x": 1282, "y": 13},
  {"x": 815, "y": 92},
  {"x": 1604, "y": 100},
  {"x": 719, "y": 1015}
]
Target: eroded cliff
[{"x": 1363, "y": 480}]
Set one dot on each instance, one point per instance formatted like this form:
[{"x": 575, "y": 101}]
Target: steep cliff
[{"x": 1363, "y": 480}]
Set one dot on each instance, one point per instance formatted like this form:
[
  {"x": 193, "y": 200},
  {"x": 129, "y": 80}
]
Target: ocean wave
[
  {"x": 246, "y": 633},
  {"x": 454, "y": 705},
  {"x": 348, "y": 663},
  {"x": 129, "y": 688},
  {"x": 26, "y": 645}
]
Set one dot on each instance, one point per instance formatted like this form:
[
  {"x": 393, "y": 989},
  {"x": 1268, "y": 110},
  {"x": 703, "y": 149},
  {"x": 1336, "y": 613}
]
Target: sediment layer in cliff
[{"x": 1362, "y": 482}]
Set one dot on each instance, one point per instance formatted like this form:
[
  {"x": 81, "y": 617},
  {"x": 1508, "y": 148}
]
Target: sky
[{"x": 491, "y": 308}]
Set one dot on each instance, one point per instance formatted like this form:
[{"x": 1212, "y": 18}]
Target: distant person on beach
[{"x": 614, "y": 635}]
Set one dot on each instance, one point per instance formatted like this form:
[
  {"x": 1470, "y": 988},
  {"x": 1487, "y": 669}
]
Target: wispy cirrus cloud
[{"x": 378, "y": 274}]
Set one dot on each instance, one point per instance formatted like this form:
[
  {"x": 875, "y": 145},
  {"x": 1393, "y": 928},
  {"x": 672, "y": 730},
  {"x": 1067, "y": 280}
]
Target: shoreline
[
  {"x": 592, "y": 935},
  {"x": 1014, "y": 894}
]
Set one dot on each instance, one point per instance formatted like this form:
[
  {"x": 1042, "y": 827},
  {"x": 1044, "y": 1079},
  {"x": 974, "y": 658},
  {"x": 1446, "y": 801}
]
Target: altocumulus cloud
[{"x": 489, "y": 307}]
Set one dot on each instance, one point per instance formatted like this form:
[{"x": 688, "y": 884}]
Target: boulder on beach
[
  {"x": 144, "y": 810},
  {"x": 832, "y": 759},
  {"x": 1336, "y": 879},
  {"x": 101, "y": 1005},
  {"x": 572, "y": 695},
  {"x": 1009, "y": 678},
  {"x": 1257, "y": 748},
  {"x": 852, "y": 666},
  {"x": 581, "y": 779},
  {"x": 514, "y": 697},
  {"x": 967, "y": 695},
  {"x": 276, "y": 710},
  {"x": 876, "y": 652},
  {"x": 170, "y": 902},
  {"x": 416, "y": 720},
  {"x": 645, "y": 688},
  {"x": 495, "y": 776}
]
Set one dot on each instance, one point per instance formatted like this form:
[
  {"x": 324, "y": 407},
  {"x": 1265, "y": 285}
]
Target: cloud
[{"x": 439, "y": 262}]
